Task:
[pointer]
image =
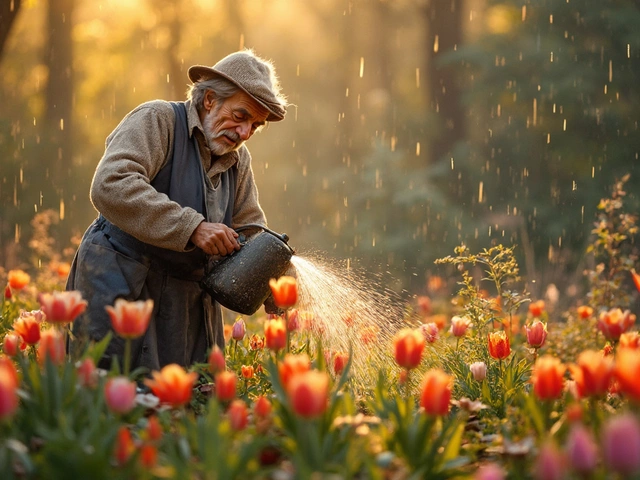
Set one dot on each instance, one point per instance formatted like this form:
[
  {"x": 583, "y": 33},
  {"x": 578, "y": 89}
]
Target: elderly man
[{"x": 174, "y": 181}]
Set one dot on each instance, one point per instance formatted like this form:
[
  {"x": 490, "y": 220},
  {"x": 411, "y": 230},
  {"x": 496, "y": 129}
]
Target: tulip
[
  {"x": 459, "y": 326},
  {"x": 408, "y": 345},
  {"x": 28, "y": 328},
  {"x": 585, "y": 312},
  {"x": 550, "y": 464},
  {"x": 294, "y": 320},
  {"x": 340, "y": 361},
  {"x": 592, "y": 373},
  {"x": 51, "y": 346},
  {"x": 262, "y": 407},
  {"x": 636, "y": 279},
  {"x": 238, "y": 330},
  {"x": 629, "y": 340},
  {"x": 226, "y": 386},
  {"x": 148, "y": 455},
  {"x": 247, "y": 371},
  {"x": 582, "y": 450},
  {"x": 621, "y": 445},
  {"x": 536, "y": 334},
  {"x": 429, "y": 331},
  {"x": 478, "y": 370},
  {"x": 124, "y": 447},
  {"x": 308, "y": 393},
  {"x": 63, "y": 269},
  {"x": 12, "y": 343},
  {"x": 536, "y": 308},
  {"x": 227, "y": 329},
  {"x": 120, "y": 394},
  {"x": 130, "y": 319},
  {"x": 275, "y": 334},
  {"x": 574, "y": 412},
  {"x": 172, "y": 385},
  {"x": 284, "y": 291},
  {"x": 368, "y": 334},
  {"x": 424, "y": 305},
  {"x": 548, "y": 377},
  {"x": 217, "y": 362},
  {"x": 436, "y": 392},
  {"x": 293, "y": 365},
  {"x": 87, "y": 373},
  {"x": 8, "y": 388},
  {"x": 499, "y": 347},
  {"x": 490, "y": 471},
  {"x": 615, "y": 322},
  {"x": 154, "y": 429},
  {"x": 627, "y": 372},
  {"x": 62, "y": 307},
  {"x": 18, "y": 279},
  {"x": 238, "y": 415},
  {"x": 256, "y": 342}
]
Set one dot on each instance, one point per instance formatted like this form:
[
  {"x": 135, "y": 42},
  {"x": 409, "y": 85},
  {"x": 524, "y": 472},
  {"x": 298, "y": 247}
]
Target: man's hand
[{"x": 215, "y": 238}]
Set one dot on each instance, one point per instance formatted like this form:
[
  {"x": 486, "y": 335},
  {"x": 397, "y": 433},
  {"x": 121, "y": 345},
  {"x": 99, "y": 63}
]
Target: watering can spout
[{"x": 240, "y": 281}]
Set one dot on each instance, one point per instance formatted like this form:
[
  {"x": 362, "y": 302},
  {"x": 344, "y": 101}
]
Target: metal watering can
[{"x": 240, "y": 281}]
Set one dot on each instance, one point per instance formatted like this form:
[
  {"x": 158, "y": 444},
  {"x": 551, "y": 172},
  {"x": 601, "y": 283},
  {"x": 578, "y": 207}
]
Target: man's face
[{"x": 229, "y": 124}]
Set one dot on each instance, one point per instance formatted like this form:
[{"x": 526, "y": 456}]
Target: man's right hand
[{"x": 215, "y": 238}]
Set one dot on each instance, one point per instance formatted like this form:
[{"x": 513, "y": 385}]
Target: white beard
[{"x": 219, "y": 148}]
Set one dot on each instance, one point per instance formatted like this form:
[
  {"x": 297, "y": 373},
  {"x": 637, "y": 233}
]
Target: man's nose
[{"x": 244, "y": 130}]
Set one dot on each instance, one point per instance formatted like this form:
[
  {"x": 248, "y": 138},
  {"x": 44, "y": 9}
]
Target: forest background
[{"x": 415, "y": 125}]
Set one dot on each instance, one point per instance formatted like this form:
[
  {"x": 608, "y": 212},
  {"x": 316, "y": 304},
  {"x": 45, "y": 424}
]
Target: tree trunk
[{"x": 8, "y": 13}]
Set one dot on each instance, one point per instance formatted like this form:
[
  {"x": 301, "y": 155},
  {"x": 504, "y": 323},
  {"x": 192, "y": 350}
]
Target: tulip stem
[
  {"x": 286, "y": 327},
  {"x": 127, "y": 356}
]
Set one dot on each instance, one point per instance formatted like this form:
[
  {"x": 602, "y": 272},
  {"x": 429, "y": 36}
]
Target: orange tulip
[
  {"x": 124, "y": 447},
  {"x": 459, "y": 325},
  {"x": 238, "y": 415},
  {"x": 536, "y": 308},
  {"x": 226, "y": 386},
  {"x": 536, "y": 334},
  {"x": 424, "y": 305},
  {"x": 148, "y": 455},
  {"x": 262, "y": 407},
  {"x": 12, "y": 343},
  {"x": 408, "y": 345},
  {"x": 130, "y": 319},
  {"x": 247, "y": 371},
  {"x": 52, "y": 346},
  {"x": 18, "y": 279},
  {"x": 62, "y": 307},
  {"x": 627, "y": 372},
  {"x": 28, "y": 328},
  {"x": 217, "y": 362},
  {"x": 227, "y": 329},
  {"x": 439, "y": 319},
  {"x": 436, "y": 392},
  {"x": 8, "y": 388},
  {"x": 293, "y": 365},
  {"x": 629, "y": 340},
  {"x": 548, "y": 377},
  {"x": 154, "y": 429},
  {"x": 499, "y": 347},
  {"x": 615, "y": 322},
  {"x": 120, "y": 394},
  {"x": 284, "y": 291},
  {"x": 308, "y": 393},
  {"x": 275, "y": 334},
  {"x": 256, "y": 342},
  {"x": 172, "y": 385},
  {"x": 585, "y": 312},
  {"x": 592, "y": 373},
  {"x": 636, "y": 279},
  {"x": 340, "y": 361},
  {"x": 63, "y": 269}
]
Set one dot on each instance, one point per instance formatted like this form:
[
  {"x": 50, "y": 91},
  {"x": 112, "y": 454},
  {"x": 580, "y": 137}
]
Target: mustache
[{"x": 229, "y": 134}]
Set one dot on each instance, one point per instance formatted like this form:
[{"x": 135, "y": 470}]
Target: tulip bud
[
  {"x": 262, "y": 407},
  {"x": 478, "y": 370},
  {"x": 490, "y": 471},
  {"x": 7, "y": 293},
  {"x": 11, "y": 344},
  {"x": 238, "y": 415},
  {"x": 52, "y": 346},
  {"x": 582, "y": 451},
  {"x": 225, "y": 386},
  {"x": 459, "y": 326},
  {"x": 536, "y": 334},
  {"x": 120, "y": 394},
  {"x": 238, "y": 330},
  {"x": 436, "y": 392},
  {"x": 216, "y": 360},
  {"x": 430, "y": 331},
  {"x": 548, "y": 377},
  {"x": 549, "y": 464},
  {"x": 408, "y": 345},
  {"x": 536, "y": 308},
  {"x": 309, "y": 393},
  {"x": 340, "y": 361},
  {"x": 621, "y": 444}
]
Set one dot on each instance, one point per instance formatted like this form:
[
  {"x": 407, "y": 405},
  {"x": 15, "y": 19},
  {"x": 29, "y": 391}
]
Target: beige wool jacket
[{"x": 136, "y": 151}]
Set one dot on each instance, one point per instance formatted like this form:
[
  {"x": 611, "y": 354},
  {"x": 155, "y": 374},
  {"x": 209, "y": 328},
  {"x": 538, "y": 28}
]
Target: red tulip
[
  {"x": 275, "y": 334},
  {"x": 148, "y": 455},
  {"x": 62, "y": 307},
  {"x": 262, "y": 407},
  {"x": 548, "y": 377},
  {"x": 226, "y": 386},
  {"x": 284, "y": 291},
  {"x": 293, "y": 365},
  {"x": 52, "y": 346},
  {"x": 120, "y": 394},
  {"x": 615, "y": 322},
  {"x": 217, "y": 362},
  {"x": 408, "y": 345},
  {"x": 308, "y": 393},
  {"x": 8, "y": 388},
  {"x": 28, "y": 328},
  {"x": 536, "y": 334},
  {"x": 238, "y": 415},
  {"x": 592, "y": 373},
  {"x": 12, "y": 343},
  {"x": 340, "y": 361},
  {"x": 436, "y": 392},
  {"x": 130, "y": 319},
  {"x": 499, "y": 347},
  {"x": 124, "y": 447},
  {"x": 18, "y": 279},
  {"x": 154, "y": 429},
  {"x": 172, "y": 385}
]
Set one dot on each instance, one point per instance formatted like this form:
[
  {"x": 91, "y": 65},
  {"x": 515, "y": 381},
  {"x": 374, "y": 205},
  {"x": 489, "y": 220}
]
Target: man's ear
[{"x": 209, "y": 100}]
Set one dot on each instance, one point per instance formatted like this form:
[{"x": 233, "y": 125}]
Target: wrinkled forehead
[{"x": 248, "y": 105}]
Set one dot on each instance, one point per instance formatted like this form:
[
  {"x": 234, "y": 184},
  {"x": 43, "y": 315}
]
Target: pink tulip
[
  {"x": 120, "y": 394},
  {"x": 621, "y": 444},
  {"x": 550, "y": 464},
  {"x": 582, "y": 450},
  {"x": 238, "y": 330}
]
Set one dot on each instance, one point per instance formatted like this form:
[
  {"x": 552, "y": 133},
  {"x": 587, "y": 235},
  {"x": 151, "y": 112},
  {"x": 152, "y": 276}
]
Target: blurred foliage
[{"x": 368, "y": 164}]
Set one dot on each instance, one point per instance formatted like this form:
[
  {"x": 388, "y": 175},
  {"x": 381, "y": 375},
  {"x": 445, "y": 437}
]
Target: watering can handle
[{"x": 282, "y": 236}]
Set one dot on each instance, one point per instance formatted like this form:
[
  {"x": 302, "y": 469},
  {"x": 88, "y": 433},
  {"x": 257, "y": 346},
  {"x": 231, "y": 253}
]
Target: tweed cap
[{"x": 252, "y": 74}]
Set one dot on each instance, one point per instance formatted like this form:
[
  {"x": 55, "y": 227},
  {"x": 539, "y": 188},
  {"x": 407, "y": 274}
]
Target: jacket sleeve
[
  {"x": 247, "y": 207},
  {"x": 135, "y": 152}
]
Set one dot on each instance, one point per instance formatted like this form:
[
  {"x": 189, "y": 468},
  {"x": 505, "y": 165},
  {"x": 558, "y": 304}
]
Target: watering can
[{"x": 240, "y": 280}]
